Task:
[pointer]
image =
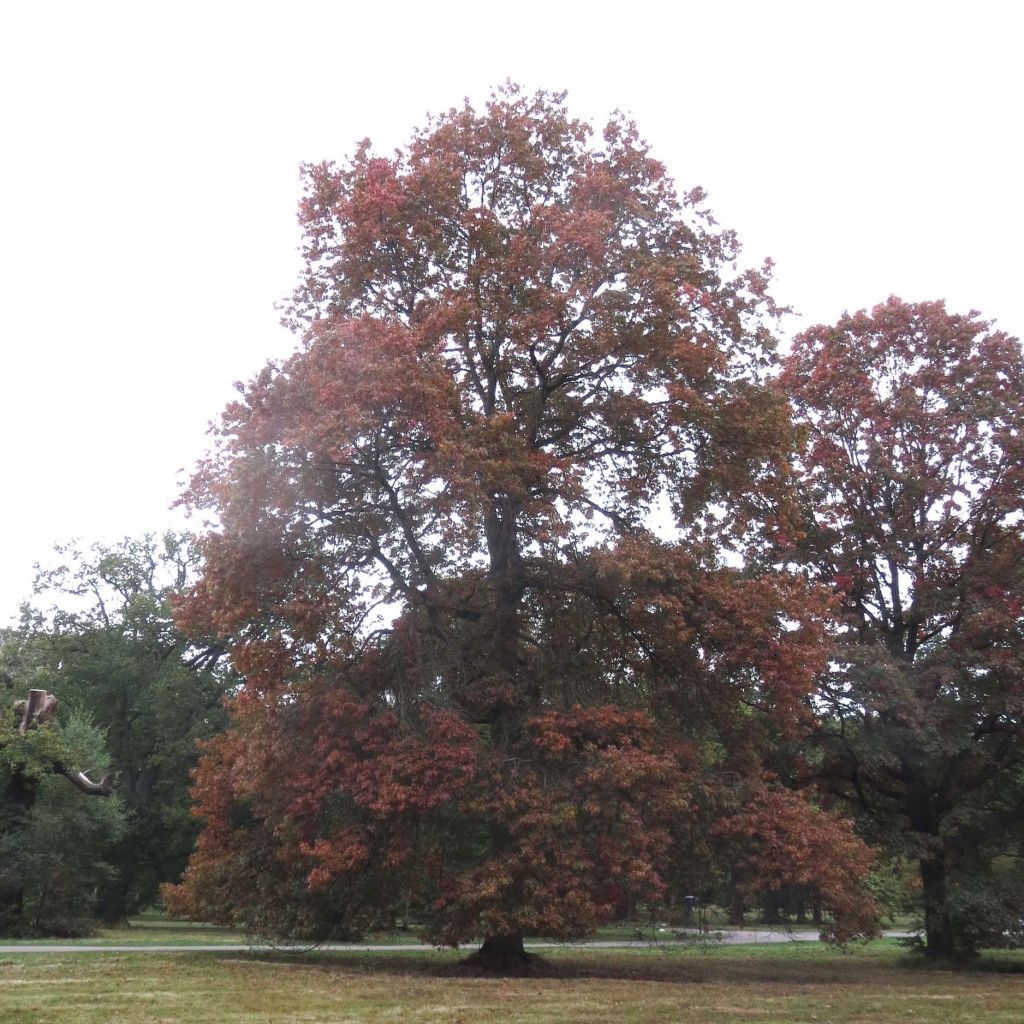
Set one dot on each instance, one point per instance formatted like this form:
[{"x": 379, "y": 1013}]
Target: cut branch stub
[{"x": 39, "y": 708}]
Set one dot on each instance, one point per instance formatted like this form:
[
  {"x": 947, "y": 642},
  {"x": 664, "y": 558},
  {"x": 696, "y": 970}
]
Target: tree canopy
[{"x": 481, "y": 555}]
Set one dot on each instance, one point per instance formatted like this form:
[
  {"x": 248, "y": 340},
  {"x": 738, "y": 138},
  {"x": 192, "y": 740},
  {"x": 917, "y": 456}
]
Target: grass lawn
[{"x": 787, "y": 983}]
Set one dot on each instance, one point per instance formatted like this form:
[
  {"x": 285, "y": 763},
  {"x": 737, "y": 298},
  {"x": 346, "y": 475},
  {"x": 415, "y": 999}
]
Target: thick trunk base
[
  {"x": 941, "y": 939},
  {"x": 503, "y": 954}
]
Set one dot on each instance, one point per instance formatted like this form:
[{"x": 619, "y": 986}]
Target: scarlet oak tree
[
  {"x": 477, "y": 682},
  {"x": 913, "y": 479}
]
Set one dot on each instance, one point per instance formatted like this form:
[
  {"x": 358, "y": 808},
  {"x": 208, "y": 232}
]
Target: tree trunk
[
  {"x": 940, "y": 941},
  {"x": 12, "y": 911},
  {"x": 737, "y": 911},
  {"x": 772, "y": 908},
  {"x": 501, "y": 954},
  {"x": 686, "y": 915},
  {"x": 112, "y": 902}
]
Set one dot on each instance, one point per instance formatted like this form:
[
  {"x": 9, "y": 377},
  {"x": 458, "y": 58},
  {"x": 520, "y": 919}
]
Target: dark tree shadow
[{"x": 667, "y": 965}]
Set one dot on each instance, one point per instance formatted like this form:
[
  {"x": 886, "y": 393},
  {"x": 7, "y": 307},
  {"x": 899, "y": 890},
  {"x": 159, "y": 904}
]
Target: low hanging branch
[{"x": 39, "y": 709}]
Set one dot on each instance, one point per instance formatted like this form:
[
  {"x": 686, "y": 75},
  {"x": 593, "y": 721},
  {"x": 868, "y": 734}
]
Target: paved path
[{"x": 733, "y": 938}]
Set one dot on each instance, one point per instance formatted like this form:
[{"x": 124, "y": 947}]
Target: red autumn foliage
[
  {"x": 469, "y": 548},
  {"x": 783, "y": 840}
]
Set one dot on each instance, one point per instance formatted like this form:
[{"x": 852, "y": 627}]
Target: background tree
[
  {"x": 54, "y": 845},
  {"x": 99, "y": 634},
  {"x": 913, "y": 478},
  {"x": 477, "y": 678}
]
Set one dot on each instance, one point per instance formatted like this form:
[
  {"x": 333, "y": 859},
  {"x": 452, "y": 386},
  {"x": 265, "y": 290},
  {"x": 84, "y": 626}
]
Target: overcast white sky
[{"x": 149, "y": 180}]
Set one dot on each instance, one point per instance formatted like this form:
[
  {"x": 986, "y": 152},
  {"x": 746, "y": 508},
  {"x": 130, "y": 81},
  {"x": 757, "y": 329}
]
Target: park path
[{"x": 733, "y": 938}]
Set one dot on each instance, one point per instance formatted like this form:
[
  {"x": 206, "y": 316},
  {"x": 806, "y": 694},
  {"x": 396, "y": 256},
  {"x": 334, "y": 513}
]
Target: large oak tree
[
  {"x": 469, "y": 556},
  {"x": 913, "y": 478}
]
